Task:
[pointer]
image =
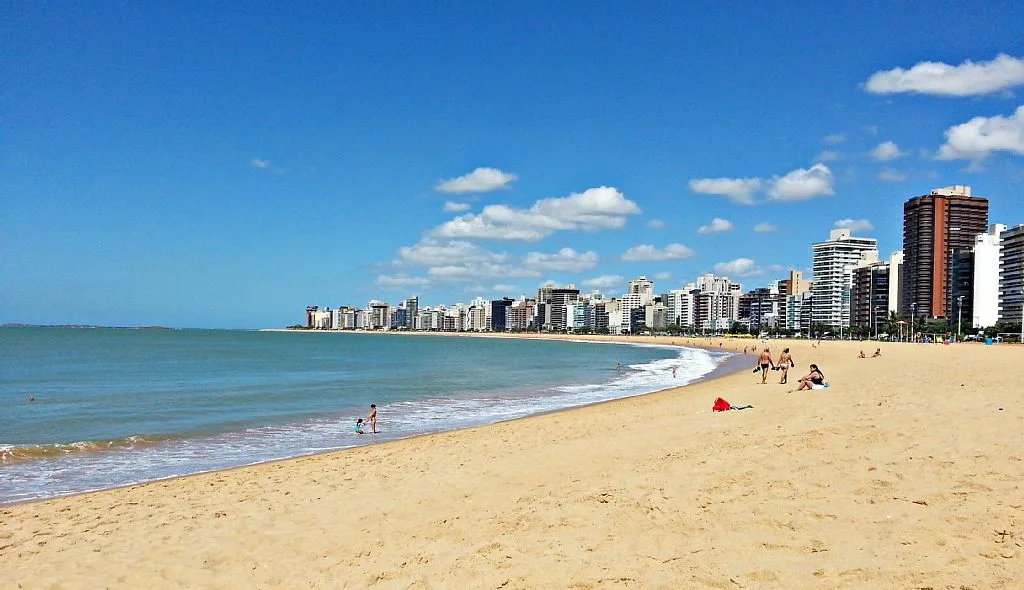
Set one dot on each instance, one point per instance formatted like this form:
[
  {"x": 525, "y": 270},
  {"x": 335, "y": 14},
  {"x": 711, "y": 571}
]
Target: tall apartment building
[
  {"x": 833, "y": 264},
  {"x": 643, "y": 288},
  {"x": 679, "y": 307},
  {"x": 935, "y": 226},
  {"x": 985, "y": 287},
  {"x": 412, "y": 309},
  {"x": 716, "y": 302},
  {"x": 560, "y": 300},
  {"x": 795, "y": 284},
  {"x": 1011, "y": 275},
  {"x": 874, "y": 291}
]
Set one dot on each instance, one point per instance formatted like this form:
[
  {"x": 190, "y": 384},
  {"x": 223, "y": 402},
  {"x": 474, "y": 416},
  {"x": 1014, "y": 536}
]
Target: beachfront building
[
  {"x": 642, "y": 288},
  {"x": 937, "y": 226},
  {"x": 764, "y": 307},
  {"x": 985, "y": 283},
  {"x": 716, "y": 302},
  {"x": 799, "y": 309},
  {"x": 1011, "y": 275},
  {"x": 498, "y": 310},
  {"x": 655, "y": 315},
  {"x": 679, "y": 305},
  {"x": 833, "y": 264},
  {"x": 596, "y": 315}
]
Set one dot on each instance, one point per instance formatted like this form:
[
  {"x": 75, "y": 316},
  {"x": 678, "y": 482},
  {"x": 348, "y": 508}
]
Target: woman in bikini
[
  {"x": 815, "y": 377},
  {"x": 785, "y": 362}
]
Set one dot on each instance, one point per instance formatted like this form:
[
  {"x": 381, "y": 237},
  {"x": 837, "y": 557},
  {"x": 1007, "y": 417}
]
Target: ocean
[{"x": 120, "y": 406}]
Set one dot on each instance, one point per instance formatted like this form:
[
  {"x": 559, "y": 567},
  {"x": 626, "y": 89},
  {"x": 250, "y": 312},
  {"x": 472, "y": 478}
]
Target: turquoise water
[{"x": 119, "y": 406}]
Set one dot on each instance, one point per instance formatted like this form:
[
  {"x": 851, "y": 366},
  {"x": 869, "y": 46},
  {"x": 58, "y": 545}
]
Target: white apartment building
[
  {"x": 642, "y": 288},
  {"x": 833, "y": 264},
  {"x": 985, "y": 294},
  {"x": 679, "y": 306}
]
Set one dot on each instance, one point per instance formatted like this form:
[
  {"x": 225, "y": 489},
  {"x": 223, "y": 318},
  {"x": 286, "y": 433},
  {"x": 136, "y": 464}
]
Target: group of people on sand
[
  {"x": 878, "y": 353},
  {"x": 371, "y": 420},
  {"x": 784, "y": 364}
]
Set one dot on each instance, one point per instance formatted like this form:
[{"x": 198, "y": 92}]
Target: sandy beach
[{"x": 905, "y": 473}]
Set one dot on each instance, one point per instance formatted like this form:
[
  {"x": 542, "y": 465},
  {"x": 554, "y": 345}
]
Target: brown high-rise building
[{"x": 935, "y": 227}]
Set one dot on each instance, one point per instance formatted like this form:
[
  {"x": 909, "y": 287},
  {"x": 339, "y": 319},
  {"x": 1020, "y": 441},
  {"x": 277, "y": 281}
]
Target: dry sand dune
[{"x": 906, "y": 473}]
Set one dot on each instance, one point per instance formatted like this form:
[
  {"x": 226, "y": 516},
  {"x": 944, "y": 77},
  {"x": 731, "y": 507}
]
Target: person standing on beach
[
  {"x": 785, "y": 362},
  {"x": 765, "y": 360},
  {"x": 372, "y": 418}
]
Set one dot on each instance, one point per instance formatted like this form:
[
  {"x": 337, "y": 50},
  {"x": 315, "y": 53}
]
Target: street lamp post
[
  {"x": 874, "y": 317},
  {"x": 959, "y": 314},
  {"x": 913, "y": 318}
]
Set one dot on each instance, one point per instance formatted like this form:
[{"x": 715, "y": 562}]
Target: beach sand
[{"x": 906, "y": 473}]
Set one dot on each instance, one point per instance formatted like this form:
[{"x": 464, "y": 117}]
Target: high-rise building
[
  {"x": 498, "y": 309},
  {"x": 985, "y": 288},
  {"x": 796, "y": 284},
  {"x": 560, "y": 299},
  {"x": 935, "y": 226},
  {"x": 874, "y": 291},
  {"x": 412, "y": 309},
  {"x": 1011, "y": 275},
  {"x": 642, "y": 287},
  {"x": 833, "y": 264}
]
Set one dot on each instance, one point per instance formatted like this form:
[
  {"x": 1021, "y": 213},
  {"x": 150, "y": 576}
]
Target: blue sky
[{"x": 226, "y": 166}]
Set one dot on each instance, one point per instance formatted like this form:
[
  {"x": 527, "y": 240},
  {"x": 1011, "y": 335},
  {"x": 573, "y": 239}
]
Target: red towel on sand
[{"x": 721, "y": 405}]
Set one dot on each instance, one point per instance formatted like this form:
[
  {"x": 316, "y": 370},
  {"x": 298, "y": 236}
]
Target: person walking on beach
[
  {"x": 785, "y": 362},
  {"x": 372, "y": 418},
  {"x": 765, "y": 360}
]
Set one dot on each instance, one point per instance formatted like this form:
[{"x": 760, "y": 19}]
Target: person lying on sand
[{"x": 878, "y": 353}]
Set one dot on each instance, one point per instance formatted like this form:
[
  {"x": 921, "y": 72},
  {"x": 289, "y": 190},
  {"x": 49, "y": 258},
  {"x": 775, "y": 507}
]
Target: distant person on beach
[
  {"x": 673, "y": 372},
  {"x": 765, "y": 360},
  {"x": 32, "y": 397},
  {"x": 878, "y": 353},
  {"x": 785, "y": 362},
  {"x": 372, "y": 418},
  {"x": 861, "y": 355},
  {"x": 618, "y": 366},
  {"x": 359, "y": 426},
  {"x": 815, "y": 377}
]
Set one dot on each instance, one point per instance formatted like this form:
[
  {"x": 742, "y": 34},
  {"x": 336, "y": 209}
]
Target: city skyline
[{"x": 192, "y": 174}]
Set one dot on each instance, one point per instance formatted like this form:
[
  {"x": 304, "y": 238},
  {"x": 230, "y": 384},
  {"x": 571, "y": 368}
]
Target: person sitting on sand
[
  {"x": 815, "y": 377},
  {"x": 359, "y": 426},
  {"x": 861, "y": 355},
  {"x": 785, "y": 362},
  {"x": 878, "y": 353},
  {"x": 765, "y": 360}
]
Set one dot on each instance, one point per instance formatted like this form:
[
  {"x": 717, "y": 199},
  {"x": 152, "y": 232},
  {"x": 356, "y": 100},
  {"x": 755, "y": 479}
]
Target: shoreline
[
  {"x": 728, "y": 365},
  {"x": 896, "y": 476}
]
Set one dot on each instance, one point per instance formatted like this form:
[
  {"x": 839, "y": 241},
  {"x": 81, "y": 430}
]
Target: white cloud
[
  {"x": 655, "y": 224},
  {"x": 603, "y": 281},
  {"x": 592, "y": 210},
  {"x": 504, "y": 288},
  {"x": 855, "y": 225},
  {"x": 741, "y": 267},
  {"x": 258, "y": 163},
  {"x": 430, "y": 252},
  {"x": 565, "y": 260},
  {"x": 967, "y": 79},
  {"x": 737, "y": 190},
  {"x": 401, "y": 281},
  {"x": 481, "y": 180},
  {"x": 803, "y": 184},
  {"x": 890, "y": 175},
  {"x": 776, "y": 267},
  {"x": 886, "y": 151},
  {"x": 828, "y": 156},
  {"x": 979, "y": 137},
  {"x": 834, "y": 139},
  {"x": 871, "y": 129},
  {"x": 452, "y": 206},
  {"x": 662, "y": 276},
  {"x": 648, "y": 252},
  {"x": 765, "y": 228},
  {"x": 717, "y": 226}
]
